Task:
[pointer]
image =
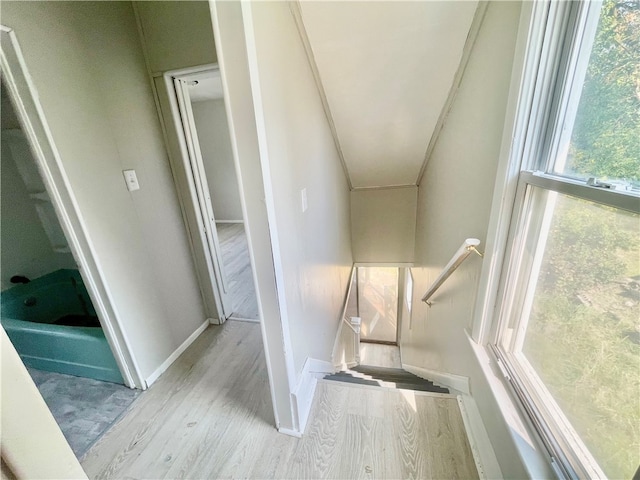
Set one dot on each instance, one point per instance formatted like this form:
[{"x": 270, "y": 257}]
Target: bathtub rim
[{"x": 66, "y": 365}]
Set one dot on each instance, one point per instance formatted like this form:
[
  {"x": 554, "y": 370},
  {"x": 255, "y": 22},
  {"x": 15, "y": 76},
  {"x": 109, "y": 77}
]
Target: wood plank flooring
[
  {"x": 210, "y": 416},
  {"x": 237, "y": 264}
]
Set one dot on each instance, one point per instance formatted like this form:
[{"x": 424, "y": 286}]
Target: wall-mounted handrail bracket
[{"x": 469, "y": 245}]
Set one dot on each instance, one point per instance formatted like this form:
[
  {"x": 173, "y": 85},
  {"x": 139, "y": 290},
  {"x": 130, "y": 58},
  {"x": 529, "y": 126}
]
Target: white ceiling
[
  {"x": 209, "y": 87},
  {"x": 386, "y": 69}
]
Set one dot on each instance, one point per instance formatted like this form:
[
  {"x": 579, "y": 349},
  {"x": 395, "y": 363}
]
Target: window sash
[
  {"x": 532, "y": 215},
  {"x": 573, "y": 55},
  {"x": 623, "y": 200}
]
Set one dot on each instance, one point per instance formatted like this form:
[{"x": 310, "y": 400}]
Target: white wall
[
  {"x": 215, "y": 145},
  {"x": 234, "y": 71},
  {"x": 177, "y": 34},
  {"x": 383, "y": 224},
  {"x": 454, "y": 203},
  {"x": 86, "y": 63},
  {"x": 32, "y": 444},
  {"x": 26, "y": 249},
  {"x": 313, "y": 248}
]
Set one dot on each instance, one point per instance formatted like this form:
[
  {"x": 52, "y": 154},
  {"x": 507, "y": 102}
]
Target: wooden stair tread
[{"x": 386, "y": 377}]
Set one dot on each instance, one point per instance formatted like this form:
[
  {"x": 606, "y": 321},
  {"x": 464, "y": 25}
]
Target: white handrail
[
  {"x": 463, "y": 252},
  {"x": 341, "y": 343}
]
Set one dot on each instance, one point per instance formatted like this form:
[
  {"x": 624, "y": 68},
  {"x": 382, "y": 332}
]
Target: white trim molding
[
  {"x": 290, "y": 432},
  {"x": 531, "y": 453},
  {"x": 450, "y": 380},
  {"x": 479, "y": 441},
  {"x": 240, "y": 319},
  {"x": 177, "y": 352},
  {"x": 337, "y": 367},
  {"x": 302, "y": 397}
]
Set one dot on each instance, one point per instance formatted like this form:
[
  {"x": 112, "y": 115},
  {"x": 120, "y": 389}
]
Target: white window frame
[{"x": 554, "y": 48}]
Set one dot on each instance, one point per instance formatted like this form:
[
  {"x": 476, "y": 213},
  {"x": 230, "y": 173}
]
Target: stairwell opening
[{"x": 380, "y": 297}]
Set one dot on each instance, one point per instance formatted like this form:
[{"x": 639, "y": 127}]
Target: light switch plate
[
  {"x": 131, "y": 180},
  {"x": 303, "y": 199}
]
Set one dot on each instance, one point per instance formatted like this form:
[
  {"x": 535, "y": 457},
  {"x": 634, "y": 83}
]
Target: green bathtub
[{"x": 53, "y": 326}]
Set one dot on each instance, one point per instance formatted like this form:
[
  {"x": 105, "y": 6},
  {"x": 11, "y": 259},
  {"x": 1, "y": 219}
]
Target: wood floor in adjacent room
[
  {"x": 237, "y": 265},
  {"x": 210, "y": 416}
]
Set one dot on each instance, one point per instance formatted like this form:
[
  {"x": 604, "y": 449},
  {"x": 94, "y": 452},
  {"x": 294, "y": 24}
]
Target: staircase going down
[{"x": 385, "y": 377}]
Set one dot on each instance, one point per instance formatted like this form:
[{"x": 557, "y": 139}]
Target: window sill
[{"x": 533, "y": 456}]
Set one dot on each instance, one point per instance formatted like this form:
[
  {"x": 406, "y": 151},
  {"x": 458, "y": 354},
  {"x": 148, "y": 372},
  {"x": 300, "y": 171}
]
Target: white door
[{"x": 203, "y": 195}]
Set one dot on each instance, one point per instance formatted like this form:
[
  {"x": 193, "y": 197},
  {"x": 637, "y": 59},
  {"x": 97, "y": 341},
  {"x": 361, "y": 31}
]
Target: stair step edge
[
  {"x": 399, "y": 370},
  {"x": 417, "y": 392}
]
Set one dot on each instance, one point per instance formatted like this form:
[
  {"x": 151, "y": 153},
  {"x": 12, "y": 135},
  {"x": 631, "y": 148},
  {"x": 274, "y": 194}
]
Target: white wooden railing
[
  {"x": 346, "y": 349},
  {"x": 468, "y": 247}
]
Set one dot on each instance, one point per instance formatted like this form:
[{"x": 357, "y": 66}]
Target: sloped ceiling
[{"x": 386, "y": 69}]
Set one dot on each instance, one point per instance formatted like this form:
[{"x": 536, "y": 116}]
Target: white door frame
[
  {"x": 200, "y": 176},
  {"x": 201, "y": 183},
  {"x": 32, "y": 119},
  {"x": 192, "y": 187}
]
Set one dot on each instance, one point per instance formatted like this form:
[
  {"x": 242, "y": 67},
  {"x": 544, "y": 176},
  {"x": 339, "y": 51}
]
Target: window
[
  {"x": 568, "y": 336},
  {"x": 408, "y": 292}
]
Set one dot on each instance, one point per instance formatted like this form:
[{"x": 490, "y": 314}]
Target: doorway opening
[
  {"x": 45, "y": 306},
  {"x": 212, "y": 181},
  {"x": 213, "y": 138},
  {"x": 378, "y": 293}
]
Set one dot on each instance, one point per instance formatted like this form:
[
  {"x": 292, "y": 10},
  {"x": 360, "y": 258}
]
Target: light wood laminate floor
[
  {"x": 237, "y": 264},
  {"x": 210, "y": 416}
]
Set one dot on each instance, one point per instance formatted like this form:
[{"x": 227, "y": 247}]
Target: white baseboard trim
[
  {"x": 344, "y": 366},
  {"x": 456, "y": 382},
  {"x": 302, "y": 399},
  {"x": 318, "y": 368},
  {"x": 303, "y": 395},
  {"x": 229, "y": 221},
  {"x": 483, "y": 453},
  {"x": 248, "y": 320},
  {"x": 291, "y": 433},
  {"x": 178, "y": 351}
]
